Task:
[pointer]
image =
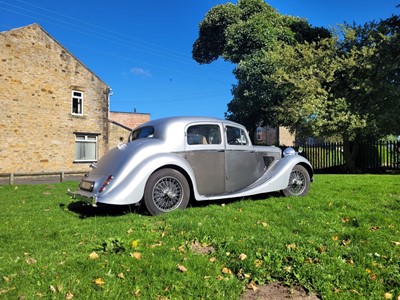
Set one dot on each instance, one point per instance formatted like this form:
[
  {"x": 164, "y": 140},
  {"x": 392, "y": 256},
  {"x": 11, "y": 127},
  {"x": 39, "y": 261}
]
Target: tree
[
  {"x": 242, "y": 34},
  {"x": 347, "y": 85}
]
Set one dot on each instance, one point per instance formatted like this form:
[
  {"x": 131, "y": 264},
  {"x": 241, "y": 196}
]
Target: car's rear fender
[{"x": 130, "y": 189}]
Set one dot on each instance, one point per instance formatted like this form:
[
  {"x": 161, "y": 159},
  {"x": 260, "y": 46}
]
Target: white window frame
[
  {"x": 77, "y": 96},
  {"x": 87, "y": 139},
  {"x": 259, "y": 134}
]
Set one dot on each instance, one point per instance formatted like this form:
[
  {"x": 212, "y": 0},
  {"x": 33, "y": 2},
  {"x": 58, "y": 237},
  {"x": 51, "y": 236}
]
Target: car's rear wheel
[
  {"x": 299, "y": 182},
  {"x": 165, "y": 191}
]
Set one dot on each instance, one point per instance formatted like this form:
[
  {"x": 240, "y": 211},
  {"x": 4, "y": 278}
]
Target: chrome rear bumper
[{"x": 83, "y": 196}]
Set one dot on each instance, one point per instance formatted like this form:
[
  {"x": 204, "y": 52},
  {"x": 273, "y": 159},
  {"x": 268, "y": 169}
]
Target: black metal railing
[{"x": 372, "y": 156}]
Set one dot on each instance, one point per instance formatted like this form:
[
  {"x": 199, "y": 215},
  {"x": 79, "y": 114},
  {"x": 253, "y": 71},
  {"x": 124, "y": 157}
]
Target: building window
[
  {"x": 85, "y": 147},
  {"x": 259, "y": 134},
  {"x": 77, "y": 103}
]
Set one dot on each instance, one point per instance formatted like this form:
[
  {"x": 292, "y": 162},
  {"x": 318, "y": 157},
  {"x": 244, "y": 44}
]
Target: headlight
[{"x": 289, "y": 151}]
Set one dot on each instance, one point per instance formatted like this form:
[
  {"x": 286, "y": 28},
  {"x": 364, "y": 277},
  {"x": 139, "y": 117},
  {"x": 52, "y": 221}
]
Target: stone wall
[
  {"x": 37, "y": 127},
  {"x": 286, "y": 138}
]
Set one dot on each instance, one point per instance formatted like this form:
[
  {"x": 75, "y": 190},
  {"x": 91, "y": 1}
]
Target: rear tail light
[{"x": 106, "y": 182}]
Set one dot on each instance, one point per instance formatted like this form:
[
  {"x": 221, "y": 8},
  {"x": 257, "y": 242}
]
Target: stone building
[
  {"x": 274, "y": 136},
  {"x": 55, "y": 111}
]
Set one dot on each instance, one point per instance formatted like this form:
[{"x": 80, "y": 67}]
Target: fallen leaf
[
  {"x": 309, "y": 260},
  {"x": 121, "y": 275},
  {"x": 129, "y": 231},
  {"x": 291, "y": 246},
  {"x": 213, "y": 259},
  {"x": 374, "y": 228},
  {"x": 69, "y": 296},
  {"x": 345, "y": 242},
  {"x": 30, "y": 261},
  {"x": 258, "y": 263},
  {"x": 226, "y": 271},
  {"x": 182, "y": 268},
  {"x": 99, "y": 281},
  {"x": 388, "y": 296},
  {"x": 252, "y": 286},
  {"x": 52, "y": 289},
  {"x": 242, "y": 256},
  {"x": 396, "y": 243},
  {"x": 93, "y": 255},
  {"x": 345, "y": 219},
  {"x": 137, "y": 292},
  {"x": 156, "y": 245},
  {"x": 6, "y": 279},
  {"x": 136, "y": 255}
]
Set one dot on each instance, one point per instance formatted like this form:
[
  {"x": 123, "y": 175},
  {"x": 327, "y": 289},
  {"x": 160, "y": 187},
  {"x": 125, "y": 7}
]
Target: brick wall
[
  {"x": 37, "y": 76},
  {"x": 119, "y": 133}
]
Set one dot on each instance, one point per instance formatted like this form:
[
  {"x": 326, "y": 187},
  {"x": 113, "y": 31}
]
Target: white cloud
[{"x": 140, "y": 72}]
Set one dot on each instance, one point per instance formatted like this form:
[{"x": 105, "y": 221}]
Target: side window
[
  {"x": 236, "y": 136},
  {"x": 203, "y": 135},
  {"x": 85, "y": 147},
  {"x": 77, "y": 103}
]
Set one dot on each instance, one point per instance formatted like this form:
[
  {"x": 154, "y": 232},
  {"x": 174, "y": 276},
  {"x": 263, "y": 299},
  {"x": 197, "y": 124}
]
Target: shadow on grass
[
  {"x": 85, "y": 210},
  {"x": 194, "y": 203}
]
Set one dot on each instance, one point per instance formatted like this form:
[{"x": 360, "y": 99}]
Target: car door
[
  {"x": 205, "y": 153},
  {"x": 242, "y": 165}
]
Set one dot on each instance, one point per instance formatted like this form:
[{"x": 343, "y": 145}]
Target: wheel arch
[
  {"x": 183, "y": 172},
  {"x": 309, "y": 169}
]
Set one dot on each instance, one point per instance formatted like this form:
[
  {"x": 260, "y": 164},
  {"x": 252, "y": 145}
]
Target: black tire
[
  {"x": 299, "y": 182},
  {"x": 165, "y": 191}
]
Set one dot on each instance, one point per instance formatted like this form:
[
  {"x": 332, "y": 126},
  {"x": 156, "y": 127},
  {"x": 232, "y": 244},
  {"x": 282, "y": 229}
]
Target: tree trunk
[{"x": 350, "y": 152}]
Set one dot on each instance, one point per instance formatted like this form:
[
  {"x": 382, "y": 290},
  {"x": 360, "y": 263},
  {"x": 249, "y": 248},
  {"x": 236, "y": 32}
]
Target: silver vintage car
[{"x": 166, "y": 162}]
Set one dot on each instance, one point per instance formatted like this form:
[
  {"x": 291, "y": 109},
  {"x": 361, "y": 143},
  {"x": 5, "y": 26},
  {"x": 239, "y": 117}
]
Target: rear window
[{"x": 142, "y": 133}]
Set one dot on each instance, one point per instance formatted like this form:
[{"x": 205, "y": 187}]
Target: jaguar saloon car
[{"x": 167, "y": 162}]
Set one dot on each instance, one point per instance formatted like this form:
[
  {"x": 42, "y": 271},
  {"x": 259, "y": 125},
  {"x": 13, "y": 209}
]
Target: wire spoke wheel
[
  {"x": 299, "y": 182},
  {"x": 166, "y": 190},
  {"x": 167, "y": 194}
]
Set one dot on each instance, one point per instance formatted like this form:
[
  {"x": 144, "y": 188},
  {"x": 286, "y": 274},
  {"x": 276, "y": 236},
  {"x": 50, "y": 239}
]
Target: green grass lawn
[{"x": 342, "y": 241}]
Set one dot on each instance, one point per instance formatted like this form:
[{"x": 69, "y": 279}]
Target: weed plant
[{"x": 342, "y": 241}]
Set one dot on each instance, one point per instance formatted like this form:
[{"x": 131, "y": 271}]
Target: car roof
[{"x": 184, "y": 120}]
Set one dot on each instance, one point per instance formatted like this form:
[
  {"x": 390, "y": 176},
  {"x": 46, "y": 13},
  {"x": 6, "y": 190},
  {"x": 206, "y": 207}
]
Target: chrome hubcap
[
  {"x": 167, "y": 194},
  {"x": 296, "y": 182}
]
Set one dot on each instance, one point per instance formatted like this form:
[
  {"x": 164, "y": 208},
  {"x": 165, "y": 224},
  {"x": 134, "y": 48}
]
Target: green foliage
[
  {"x": 341, "y": 242},
  {"x": 113, "y": 245},
  {"x": 314, "y": 82}
]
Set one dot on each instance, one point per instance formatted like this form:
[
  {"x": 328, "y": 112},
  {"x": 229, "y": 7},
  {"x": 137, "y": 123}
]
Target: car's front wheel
[
  {"x": 299, "y": 182},
  {"x": 165, "y": 191}
]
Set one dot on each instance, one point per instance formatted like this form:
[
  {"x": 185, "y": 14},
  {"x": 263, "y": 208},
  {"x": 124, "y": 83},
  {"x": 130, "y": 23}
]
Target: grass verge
[{"x": 342, "y": 241}]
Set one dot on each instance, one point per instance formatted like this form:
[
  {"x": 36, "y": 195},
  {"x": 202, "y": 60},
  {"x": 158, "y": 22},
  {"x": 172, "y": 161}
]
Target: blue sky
[{"x": 142, "y": 49}]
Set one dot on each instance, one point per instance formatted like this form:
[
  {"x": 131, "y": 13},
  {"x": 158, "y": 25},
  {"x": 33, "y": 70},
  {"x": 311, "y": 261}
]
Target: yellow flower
[{"x": 135, "y": 243}]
